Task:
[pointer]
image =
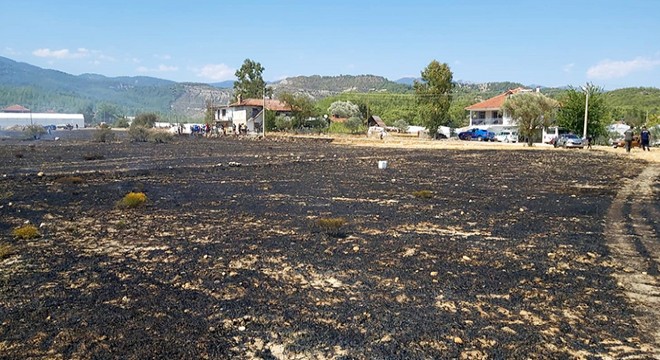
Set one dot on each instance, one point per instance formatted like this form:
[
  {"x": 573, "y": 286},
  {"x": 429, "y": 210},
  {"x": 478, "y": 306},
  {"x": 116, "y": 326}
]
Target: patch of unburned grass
[
  {"x": 332, "y": 226},
  {"x": 25, "y": 232},
  {"x": 6, "y": 250},
  {"x": 423, "y": 194},
  {"x": 132, "y": 200}
]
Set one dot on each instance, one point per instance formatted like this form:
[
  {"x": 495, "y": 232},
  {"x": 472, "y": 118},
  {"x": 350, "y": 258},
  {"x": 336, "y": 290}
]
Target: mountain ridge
[{"x": 52, "y": 90}]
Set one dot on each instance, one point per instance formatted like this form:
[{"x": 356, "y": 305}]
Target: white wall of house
[{"x": 8, "y": 120}]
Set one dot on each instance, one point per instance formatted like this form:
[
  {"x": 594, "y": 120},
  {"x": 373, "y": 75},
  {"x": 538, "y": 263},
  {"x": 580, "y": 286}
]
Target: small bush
[
  {"x": 70, "y": 180},
  {"x": 160, "y": 136},
  {"x": 90, "y": 157},
  {"x": 104, "y": 134},
  {"x": 34, "y": 131},
  {"x": 332, "y": 226},
  {"x": 132, "y": 200},
  {"x": 6, "y": 250},
  {"x": 423, "y": 194},
  {"x": 138, "y": 133},
  {"x": 26, "y": 232}
]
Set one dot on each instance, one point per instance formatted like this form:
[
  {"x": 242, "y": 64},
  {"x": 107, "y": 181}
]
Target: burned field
[{"x": 283, "y": 249}]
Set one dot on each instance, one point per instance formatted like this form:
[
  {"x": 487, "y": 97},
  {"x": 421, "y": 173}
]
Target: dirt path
[{"x": 633, "y": 235}]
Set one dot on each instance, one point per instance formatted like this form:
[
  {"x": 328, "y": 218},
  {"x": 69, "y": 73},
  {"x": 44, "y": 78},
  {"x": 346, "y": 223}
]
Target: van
[{"x": 552, "y": 133}]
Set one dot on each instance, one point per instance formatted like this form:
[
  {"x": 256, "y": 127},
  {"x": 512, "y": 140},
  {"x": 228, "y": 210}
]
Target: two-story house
[
  {"x": 249, "y": 112},
  {"x": 488, "y": 114}
]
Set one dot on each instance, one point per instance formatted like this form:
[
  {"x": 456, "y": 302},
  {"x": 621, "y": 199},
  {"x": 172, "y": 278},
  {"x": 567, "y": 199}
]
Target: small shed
[{"x": 375, "y": 121}]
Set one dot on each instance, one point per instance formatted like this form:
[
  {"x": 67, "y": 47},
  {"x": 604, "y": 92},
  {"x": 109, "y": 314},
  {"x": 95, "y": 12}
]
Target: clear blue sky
[{"x": 610, "y": 43}]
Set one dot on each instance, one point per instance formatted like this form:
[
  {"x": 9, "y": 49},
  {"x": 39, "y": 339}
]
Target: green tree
[
  {"x": 121, "y": 122},
  {"x": 402, "y": 125},
  {"x": 353, "y": 124},
  {"x": 531, "y": 111},
  {"x": 571, "y": 114},
  {"x": 209, "y": 115},
  {"x": 343, "y": 109},
  {"x": 302, "y": 107},
  {"x": 250, "y": 83},
  {"x": 106, "y": 112},
  {"x": 146, "y": 120},
  {"x": 434, "y": 95}
]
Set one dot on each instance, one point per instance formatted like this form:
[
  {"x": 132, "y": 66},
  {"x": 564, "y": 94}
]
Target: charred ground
[{"x": 507, "y": 259}]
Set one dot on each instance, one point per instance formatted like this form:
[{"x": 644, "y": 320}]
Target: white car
[{"x": 507, "y": 136}]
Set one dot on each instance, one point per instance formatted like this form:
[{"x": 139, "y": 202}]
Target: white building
[
  {"x": 249, "y": 112},
  {"x": 19, "y": 116}
]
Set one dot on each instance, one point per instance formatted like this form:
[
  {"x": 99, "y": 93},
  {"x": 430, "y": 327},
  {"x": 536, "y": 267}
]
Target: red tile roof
[
  {"x": 494, "y": 103},
  {"x": 16, "y": 109},
  {"x": 271, "y": 104}
]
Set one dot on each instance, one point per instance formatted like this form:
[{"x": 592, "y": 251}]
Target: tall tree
[
  {"x": 302, "y": 107},
  {"x": 531, "y": 111},
  {"x": 250, "y": 83},
  {"x": 106, "y": 112},
  {"x": 571, "y": 114},
  {"x": 434, "y": 95}
]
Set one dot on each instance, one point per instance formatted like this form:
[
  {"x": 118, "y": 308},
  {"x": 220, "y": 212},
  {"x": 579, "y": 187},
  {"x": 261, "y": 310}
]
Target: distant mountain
[
  {"x": 318, "y": 86},
  {"x": 44, "y": 89},
  {"x": 229, "y": 84},
  {"x": 407, "y": 80}
]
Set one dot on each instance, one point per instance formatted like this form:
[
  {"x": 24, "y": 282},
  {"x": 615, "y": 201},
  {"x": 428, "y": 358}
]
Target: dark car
[
  {"x": 569, "y": 141},
  {"x": 477, "y": 134}
]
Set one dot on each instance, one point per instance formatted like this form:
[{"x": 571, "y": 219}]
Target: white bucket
[{"x": 382, "y": 164}]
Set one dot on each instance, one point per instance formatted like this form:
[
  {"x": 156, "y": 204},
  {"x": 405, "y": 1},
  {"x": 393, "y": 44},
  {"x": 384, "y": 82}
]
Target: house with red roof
[
  {"x": 249, "y": 112},
  {"x": 488, "y": 113},
  {"x": 15, "y": 109}
]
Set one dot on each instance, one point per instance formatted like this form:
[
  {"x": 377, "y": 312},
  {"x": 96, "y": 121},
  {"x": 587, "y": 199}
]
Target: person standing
[
  {"x": 628, "y": 138},
  {"x": 645, "y": 137}
]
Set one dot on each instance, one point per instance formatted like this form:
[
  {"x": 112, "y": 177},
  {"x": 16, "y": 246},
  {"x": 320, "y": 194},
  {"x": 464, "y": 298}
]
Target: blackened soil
[{"x": 506, "y": 260}]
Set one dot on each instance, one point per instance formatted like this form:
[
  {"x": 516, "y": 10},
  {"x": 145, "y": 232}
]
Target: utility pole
[{"x": 586, "y": 111}]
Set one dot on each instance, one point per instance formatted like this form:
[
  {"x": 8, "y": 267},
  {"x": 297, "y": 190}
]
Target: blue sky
[{"x": 610, "y": 43}]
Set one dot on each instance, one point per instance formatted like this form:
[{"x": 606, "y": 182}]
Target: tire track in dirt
[{"x": 631, "y": 231}]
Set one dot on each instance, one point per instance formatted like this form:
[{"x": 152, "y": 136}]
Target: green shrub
[
  {"x": 122, "y": 123},
  {"x": 26, "y": 232},
  {"x": 138, "y": 133},
  {"x": 332, "y": 226},
  {"x": 132, "y": 200},
  {"x": 423, "y": 194},
  {"x": 104, "y": 134},
  {"x": 160, "y": 136},
  {"x": 6, "y": 250},
  {"x": 34, "y": 131}
]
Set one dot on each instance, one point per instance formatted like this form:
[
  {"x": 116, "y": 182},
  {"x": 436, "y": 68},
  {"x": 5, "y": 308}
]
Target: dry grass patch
[
  {"x": 132, "y": 200},
  {"x": 332, "y": 226},
  {"x": 6, "y": 250},
  {"x": 423, "y": 194},
  {"x": 25, "y": 232}
]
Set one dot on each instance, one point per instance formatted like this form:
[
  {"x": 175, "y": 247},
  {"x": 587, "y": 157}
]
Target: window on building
[{"x": 481, "y": 115}]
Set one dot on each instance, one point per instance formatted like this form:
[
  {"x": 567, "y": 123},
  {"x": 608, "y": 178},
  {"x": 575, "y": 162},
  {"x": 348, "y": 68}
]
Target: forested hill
[{"x": 49, "y": 90}]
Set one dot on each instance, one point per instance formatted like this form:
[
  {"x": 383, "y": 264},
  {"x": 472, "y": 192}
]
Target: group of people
[{"x": 644, "y": 138}]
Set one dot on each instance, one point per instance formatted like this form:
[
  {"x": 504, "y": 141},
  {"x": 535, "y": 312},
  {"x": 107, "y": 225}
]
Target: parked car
[
  {"x": 569, "y": 141},
  {"x": 477, "y": 134},
  {"x": 507, "y": 136}
]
